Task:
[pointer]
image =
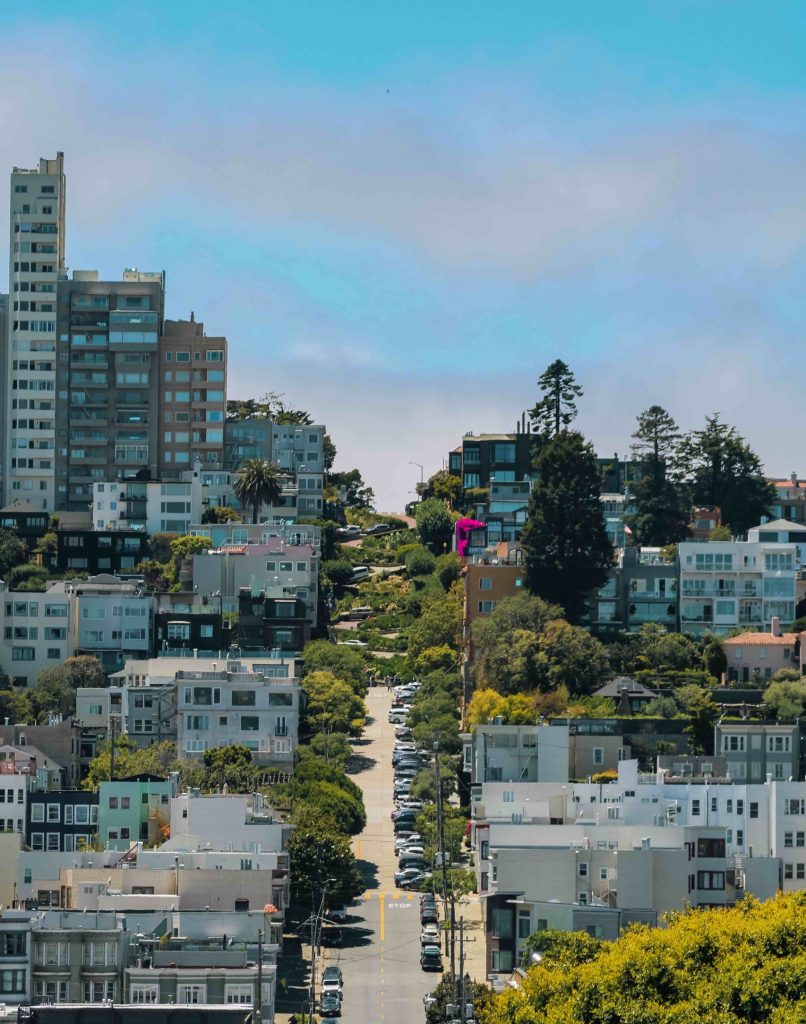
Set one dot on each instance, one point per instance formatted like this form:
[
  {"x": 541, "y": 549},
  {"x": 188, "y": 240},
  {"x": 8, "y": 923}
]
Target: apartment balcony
[{"x": 708, "y": 590}]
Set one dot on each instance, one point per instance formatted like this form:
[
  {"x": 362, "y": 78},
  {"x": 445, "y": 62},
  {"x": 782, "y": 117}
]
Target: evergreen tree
[
  {"x": 661, "y": 515},
  {"x": 555, "y": 410},
  {"x": 568, "y": 553},
  {"x": 721, "y": 469}
]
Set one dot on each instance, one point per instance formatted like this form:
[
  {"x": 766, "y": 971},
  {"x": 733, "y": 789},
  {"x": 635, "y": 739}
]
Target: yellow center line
[
  {"x": 358, "y": 848},
  {"x": 383, "y": 915}
]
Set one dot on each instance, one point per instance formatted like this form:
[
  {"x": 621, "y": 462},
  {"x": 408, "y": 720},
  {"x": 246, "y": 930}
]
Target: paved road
[{"x": 380, "y": 953}]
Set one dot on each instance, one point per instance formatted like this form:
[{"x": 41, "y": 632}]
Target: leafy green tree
[
  {"x": 420, "y": 563},
  {"x": 328, "y": 451},
  {"x": 353, "y": 492},
  {"x": 339, "y": 572},
  {"x": 721, "y": 469},
  {"x": 432, "y": 707},
  {"x": 15, "y": 704},
  {"x": 322, "y": 862},
  {"x": 570, "y": 656},
  {"x": 29, "y": 577},
  {"x": 661, "y": 515},
  {"x": 702, "y": 714},
  {"x": 720, "y": 533},
  {"x": 181, "y": 548},
  {"x": 259, "y": 483},
  {"x": 557, "y": 408},
  {"x": 439, "y": 624},
  {"x": 155, "y": 759},
  {"x": 333, "y": 705},
  {"x": 442, "y": 729},
  {"x": 444, "y": 486},
  {"x": 714, "y": 659},
  {"x": 434, "y": 524},
  {"x": 566, "y": 547},
  {"x": 12, "y": 552},
  {"x": 159, "y": 546},
  {"x": 56, "y": 687},
  {"x": 424, "y": 784},
  {"x": 447, "y": 569},
  {"x": 434, "y": 659},
  {"x": 521, "y": 612},
  {"x": 785, "y": 699},
  {"x": 661, "y": 707},
  {"x": 655, "y": 647},
  {"x": 454, "y": 828},
  {"x": 333, "y": 747},
  {"x": 220, "y": 514},
  {"x": 692, "y": 971},
  {"x": 229, "y": 766},
  {"x": 346, "y": 663},
  {"x": 46, "y": 547}
]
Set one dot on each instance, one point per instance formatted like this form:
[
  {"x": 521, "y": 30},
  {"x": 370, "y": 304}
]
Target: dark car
[
  {"x": 330, "y": 1005},
  {"x": 332, "y": 973},
  {"x": 429, "y": 915},
  {"x": 431, "y": 958},
  {"x": 377, "y": 528}
]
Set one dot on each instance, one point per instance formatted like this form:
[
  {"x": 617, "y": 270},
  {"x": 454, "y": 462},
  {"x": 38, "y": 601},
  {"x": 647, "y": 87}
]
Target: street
[{"x": 379, "y": 956}]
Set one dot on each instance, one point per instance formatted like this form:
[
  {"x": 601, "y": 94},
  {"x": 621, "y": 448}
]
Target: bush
[
  {"x": 447, "y": 569},
  {"x": 420, "y": 562},
  {"x": 27, "y": 577},
  {"x": 338, "y": 571}
]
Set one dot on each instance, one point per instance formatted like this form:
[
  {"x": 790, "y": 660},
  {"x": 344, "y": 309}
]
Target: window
[
  {"x": 99, "y": 991},
  {"x": 100, "y": 954},
  {"x": 243, "y": 698},
  {"x": 695, "y": 808},
  {"x": 485, "y": 583},
  {"x": 582, "y": 869},
  {"x": 144, "y": 993},
  {"x": 504, "y": 452},
  {"x": 710, "y": 847},
  {"x": 241, "y": 993},
  {"x": 54, "y": 812},
  {"x": 51, "y": 991},
  {"x": 598, "y": 755},
  {"x": 710, "y": 879},
  {"x": 471, "y": 480},
  {"x": 250, "y": 723},
  {"x": 37, "y": 812},
  {"x": 195, "y": 993}
]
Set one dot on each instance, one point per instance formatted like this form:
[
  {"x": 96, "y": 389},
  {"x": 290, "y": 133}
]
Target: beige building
[
  {"x": 754, "y": 656},
  {"x": 193, "y": 393}
]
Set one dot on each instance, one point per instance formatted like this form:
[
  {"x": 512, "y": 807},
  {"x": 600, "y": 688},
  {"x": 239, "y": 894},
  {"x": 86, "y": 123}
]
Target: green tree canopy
[
  {"x": 661, "y": 512},
  {"x": 322, "y": 862},
  {"x": 155, "y": 759},
  {"x": 333, "y": 705},
  {"x": 220, "y": 514},
  {"x": 438, "y": 625},
  {"x": 729, "y": 966},
  {"x": 347, "y": 663},
  {"x": 259, "y": 483},
  {"x": 420, "y": 562},
  {"x": 493, "y": 632},
  {"x": 28, "y": 577},
  {"x": 444, "y": 486},
  {"x": 434, "y": 524},
  {"x": 785, "y": 699},
  {"x": 721, "y": 469},
  {"x": 557, "y": 408},
  {"x": 447, "y": 569},
  {"x": 56, "y": 687},
  {"x": 229, "y": 766},
  {"x": 353, "y": 492},
  {"x": 12, "y": 552},
  {"x": 15, "y": 704},
  {"x": 567, "y": 550},
  {"x": 338, "y": 571},
  {"x": 333, "y": 747},
  {"x": 570, "y": 656}
]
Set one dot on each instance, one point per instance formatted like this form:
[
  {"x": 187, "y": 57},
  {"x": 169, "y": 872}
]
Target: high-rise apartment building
[
  {"x": 107, "y": 395},
  {"x": 36, "y": 263},
  {"x": 193, "y": 398}
]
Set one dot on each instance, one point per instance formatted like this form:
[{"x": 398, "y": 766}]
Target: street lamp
[{"x": 419, "y": 467}]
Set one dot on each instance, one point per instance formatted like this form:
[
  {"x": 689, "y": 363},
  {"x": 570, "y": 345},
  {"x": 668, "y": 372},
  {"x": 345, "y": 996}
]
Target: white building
[
  {"x": 113, "y": 619},
  {"x": 38, "y": 631},
  {"x": 36, "y": 262},
  {"x": 728, "y": 584},
  {"x": 518, "y": 753}
]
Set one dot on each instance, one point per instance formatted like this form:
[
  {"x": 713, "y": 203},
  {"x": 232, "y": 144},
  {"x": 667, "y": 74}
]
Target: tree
[
  {"x": 655, "y": 647},
  {"x": 692, "y": 971},
  {"x": 785, "y": 699},
  {"x": 15, "y": 705},
  {"x": 434, "y": 524},
  {"x": 443, "y": 485},
  {"x": 338, "y": 572},
  {"x": 447, "y": 569},
  {"x": 259, "y": 483},
  {"x": 420, "y": 562},
  {"x": 12, "y": 552},
  {"x": 568, "y": 553},
  {"x": 434, "y": 659},
  {"x": 56, "y": 687},
  {"x": 505, "y": 643},
  {"x": 47, "y": 547},
  {"x": 570, "y": 656},
  {"x": 439, "y": 624},
  {"x": 155, "y": 759},
  {"x": 29, "y": 577},
  {"x": 333, "y": 705},
  {"x": 661, "y": 515},
  {"x": 328, "y": 452},
  {"x": 721, "y": 469},
  {"x": 556, "y": 409},
  {"x": 661, "y": 707},
  {"x": 424, "y": 783},
  {"x": 703, "y": 715},
  {"x": 229, "y": 766},
  {"x": 353, "y": 492},
  {"x": 714, "y": 659},
  {"x": 220, "y": 514},
  {"x": 322, "y": 862},
  {"x": 720, "y": 533},
  {"x": 332, "y": 747},
  {"x": 328, "y": 798},
  {"x": 345, "y": 663},
  {"x": 442, "y": 729}
]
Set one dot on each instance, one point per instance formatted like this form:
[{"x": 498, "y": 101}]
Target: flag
[{"x": 627, "y": 530}]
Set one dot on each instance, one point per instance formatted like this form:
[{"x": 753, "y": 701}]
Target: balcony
[{"x": 708, "y": 590}]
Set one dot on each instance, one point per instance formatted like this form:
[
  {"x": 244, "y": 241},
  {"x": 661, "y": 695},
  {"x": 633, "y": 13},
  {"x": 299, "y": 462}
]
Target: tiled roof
[
  {"x": 762, "y": 640},
  {"x": 489, "y": 437}
]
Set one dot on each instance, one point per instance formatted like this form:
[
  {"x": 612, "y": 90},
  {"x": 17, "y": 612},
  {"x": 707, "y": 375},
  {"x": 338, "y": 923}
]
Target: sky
[{"x": 400, "y": 213}]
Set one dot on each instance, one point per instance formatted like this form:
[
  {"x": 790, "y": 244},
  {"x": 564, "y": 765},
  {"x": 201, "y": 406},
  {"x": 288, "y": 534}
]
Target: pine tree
[
  {"x": 557, "y": 408},
  {"x": 720, "y": 468},
  {"x": 567, "y": 550},
  {"x": 661, "y": 515}
]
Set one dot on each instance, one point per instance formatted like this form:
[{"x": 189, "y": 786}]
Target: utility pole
[
  {"x": 112, "y": 721},
  {"x": 259, "y": 996},
  {"x": 462, "y": 994},
  {"x": 443, "y": 861}
]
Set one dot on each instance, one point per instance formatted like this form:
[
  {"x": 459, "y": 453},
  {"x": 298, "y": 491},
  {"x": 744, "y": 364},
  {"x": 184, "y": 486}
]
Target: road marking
[
  {"x": 381, "y": 897},
  {"x": 358, "y": 848}
]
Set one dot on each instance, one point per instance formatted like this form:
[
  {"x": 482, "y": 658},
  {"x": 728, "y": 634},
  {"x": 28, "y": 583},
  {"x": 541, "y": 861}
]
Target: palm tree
[{"x": 259, "y": 483}]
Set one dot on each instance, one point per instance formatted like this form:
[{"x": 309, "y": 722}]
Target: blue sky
[{"x": 399, "y": 214}]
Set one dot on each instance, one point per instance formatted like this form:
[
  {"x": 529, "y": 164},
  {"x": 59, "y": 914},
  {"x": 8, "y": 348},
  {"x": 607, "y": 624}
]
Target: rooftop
[{"x": 762, "y": 639}]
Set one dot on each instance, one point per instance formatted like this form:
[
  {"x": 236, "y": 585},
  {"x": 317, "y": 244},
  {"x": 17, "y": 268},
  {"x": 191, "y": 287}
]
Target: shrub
[{"x": 420, "y": 562}]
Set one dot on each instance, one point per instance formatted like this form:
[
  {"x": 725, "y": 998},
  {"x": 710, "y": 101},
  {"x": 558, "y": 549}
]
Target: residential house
[
  {"x": 114, "y": 620},
  {"x": 76, "y": 958},
  {"x": 755, "y": 750},
  {"x": 134, "y": 810},
  {"x": 58, "y": 743},
  {"x": 15, "y": 956},
  {"x": 629, "y": 695},
  {"x": 642, "y": 588},
  {"x": 755, "y": 656},
  {"x": 64, "y": 821},
  {"x": 528, "y": 753},
  {"x": 37, "y": 631},
  {"x": 28, "y": 522},
  {"x": 224, "y": 534},
  {"x": 99, "y": 551}
]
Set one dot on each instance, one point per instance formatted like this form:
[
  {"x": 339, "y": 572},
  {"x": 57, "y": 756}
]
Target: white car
[
  {"x": 414, "y": 839},
  {"x": 351, "y": 643},
  {"x": 429, "y": 935}
]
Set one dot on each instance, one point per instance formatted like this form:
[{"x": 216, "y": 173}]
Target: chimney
[
  {"x": 794, "y": 478},
  {"x": 775, "y": 626}
]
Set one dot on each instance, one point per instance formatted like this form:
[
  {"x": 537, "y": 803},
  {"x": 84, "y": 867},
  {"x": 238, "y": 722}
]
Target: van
[{"x": 360, "y": 572}]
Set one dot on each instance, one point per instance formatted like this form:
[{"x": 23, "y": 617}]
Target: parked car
[
  {"x": 429, "y": 935},
  {"x": 351, "y": 532},
  {"x": 333, "y": 972},
  {"x": 403, "y": 732},
  {"x": 330, "y": 1005},
  {"x": 397, "y": 716},
  {"x": 429, "y": 915},
  {"x": 338, "y": 914},
  {"x": 352, "y": 643},
  {"x": 363, "y": 612},
  {"x": 360, "y": 572},
  {"x": 416, "y": 880},
  {"x": 405, "y": 874},
  {"x": 431, "y": 958},
  {"x": 412, "y": 857},
  {"x": 413, "y": 839},
  {"x": 332, "y": 986},
  {"x": 373, "y": 531}
]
